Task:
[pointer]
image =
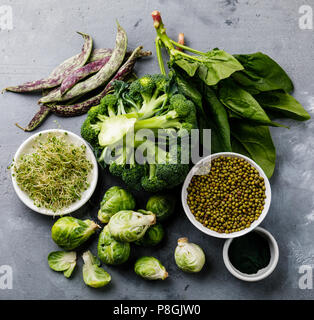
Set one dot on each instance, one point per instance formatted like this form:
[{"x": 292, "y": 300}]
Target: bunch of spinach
[{"x": 237, "y": 96}]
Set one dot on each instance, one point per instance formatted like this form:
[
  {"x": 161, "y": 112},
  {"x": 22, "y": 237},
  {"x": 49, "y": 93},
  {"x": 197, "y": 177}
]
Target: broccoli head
[{"x": 147, "y": 103}]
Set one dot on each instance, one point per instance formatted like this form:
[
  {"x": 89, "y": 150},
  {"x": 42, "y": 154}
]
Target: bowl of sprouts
[{"x": 54, "y": 172}]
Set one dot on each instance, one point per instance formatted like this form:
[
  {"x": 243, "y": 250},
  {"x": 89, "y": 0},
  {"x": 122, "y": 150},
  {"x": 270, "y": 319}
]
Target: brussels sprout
[
  {"x": 189, "y": 256},
  {"x": 62, "y": 261},
  {"x": 115, "y": 200},
  {"x": 93, "y": 275},
  {"x": 129, "y": 226},
  {"x": 150, "y": 268},
  {"x": 152, "y": 237},
  {"x": 69, "y": 233},
  {"x": 162, "y": 205},
  {"x": 111, "y": 251}
]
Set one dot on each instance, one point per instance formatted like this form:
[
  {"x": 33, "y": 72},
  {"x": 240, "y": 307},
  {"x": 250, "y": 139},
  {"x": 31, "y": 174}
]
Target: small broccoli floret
[
  {"x": 116, "y": 169},
  {"x": 132, "y": 175},
  {"x": 181, "y": 114},
  {"x": 161, "y": 83},
  {"x": 88, "y": 132},
  {"x": 93, "y": 113},
  {"x": 167, "y": 173},
  {"x": 150, "y": 92},
  {"x": 181, "y": 105},
  {"x": 118, "y": 164},
  {"x": 173, "y": 171},
  {"x": 108, "y": 104},
  {"x": 174, "y": 174},
  {"x": 126, "y": 168},
  {"x": 143, "y": 87},
  {"x": 150, "y": 182}
]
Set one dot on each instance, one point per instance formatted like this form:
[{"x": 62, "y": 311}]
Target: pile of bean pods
[{"x": 81, "y": 81}]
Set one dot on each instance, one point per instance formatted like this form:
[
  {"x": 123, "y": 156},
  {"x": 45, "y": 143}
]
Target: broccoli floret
[
  {"x": 93, "y": 113},
  {"x": 116, "y": 169},
  {"x": 108, "y": 104},
  {"x": 132, "y": 175},
  {"x": 174, "y": 174},
  {"x": 119, "y": 163},
  {"x": 161, "y": 83},
  {"x": 88, "y": 132},
  {"x": 166, "y": 175},
  {"x": 150, "y": 182},
  {"x": 181, "y": 105},
  {"x": 143, "y": 88},
  {"x": 129, "y": 171},
  {"x": 180, "y": 114},
  {"x": 150, "y": 92}
]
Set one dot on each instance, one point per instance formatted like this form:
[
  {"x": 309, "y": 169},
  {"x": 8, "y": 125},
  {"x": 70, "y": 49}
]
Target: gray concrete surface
[{"x": 43, "y": 35}]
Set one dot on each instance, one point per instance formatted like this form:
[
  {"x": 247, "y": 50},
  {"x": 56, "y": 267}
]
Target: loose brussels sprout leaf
[
  {"x": 67, "y": 273},
  {"x": 93, "y": 275},
  {"x": 129, "y": 226},
  {"x": 152, "y": 237},
  {"x": 62, "y": 261},
  {"x": 69, "y": 233},
  {"x": 111, "y": 251},
  {"x": 189, "y": 257},
  {"x": 150, "y": 268},
  {"x": 115, "y": 200},
  {"x": 162, "y": 206}
]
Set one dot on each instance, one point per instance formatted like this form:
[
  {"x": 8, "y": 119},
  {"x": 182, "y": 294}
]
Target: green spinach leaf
[
  {"x": 242, "y": 103},
  {"x": 211, "y": 67},
  {"x": 255, "y": 142},
  {"x": 261, "y": 73},
  {"x": 219, "y": 121},
  {"x": 283, "y": 104}
]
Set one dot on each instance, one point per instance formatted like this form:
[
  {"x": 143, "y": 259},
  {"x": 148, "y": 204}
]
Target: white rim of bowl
[
  {"x": 87, "y": 193},
  {"x": 208, "y": 231},
  {"x": 263, "y": 273}
]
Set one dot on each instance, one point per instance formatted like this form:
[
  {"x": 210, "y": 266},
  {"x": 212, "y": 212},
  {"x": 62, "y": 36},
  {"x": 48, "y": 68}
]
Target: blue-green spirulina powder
[{"x": 249, "y": 253}]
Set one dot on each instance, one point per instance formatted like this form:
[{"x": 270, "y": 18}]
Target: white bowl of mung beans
[{"x": 226, "y": 195}]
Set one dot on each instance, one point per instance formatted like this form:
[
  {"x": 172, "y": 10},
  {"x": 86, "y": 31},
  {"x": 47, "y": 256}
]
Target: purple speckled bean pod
[
  {"x": 37, "y": 120},
  {"x": 89, "y": 69},
  {"x": 101, "y": 77},
  {"x": 83, "y": 107},
  {"x": 99, "y": 54},
  {"x": 61, "y": 72},
  {"x": 82, "y": 73}
]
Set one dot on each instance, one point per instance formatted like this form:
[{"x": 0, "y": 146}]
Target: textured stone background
[{"x": 44, "y": 35}]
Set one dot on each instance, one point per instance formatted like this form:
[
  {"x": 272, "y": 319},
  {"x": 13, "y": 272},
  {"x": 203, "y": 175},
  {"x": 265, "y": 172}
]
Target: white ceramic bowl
[
  {"x": 92, "y": 178},
  {"x": 208, "y": 231},
  {"x": 261, "y": 274}
]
